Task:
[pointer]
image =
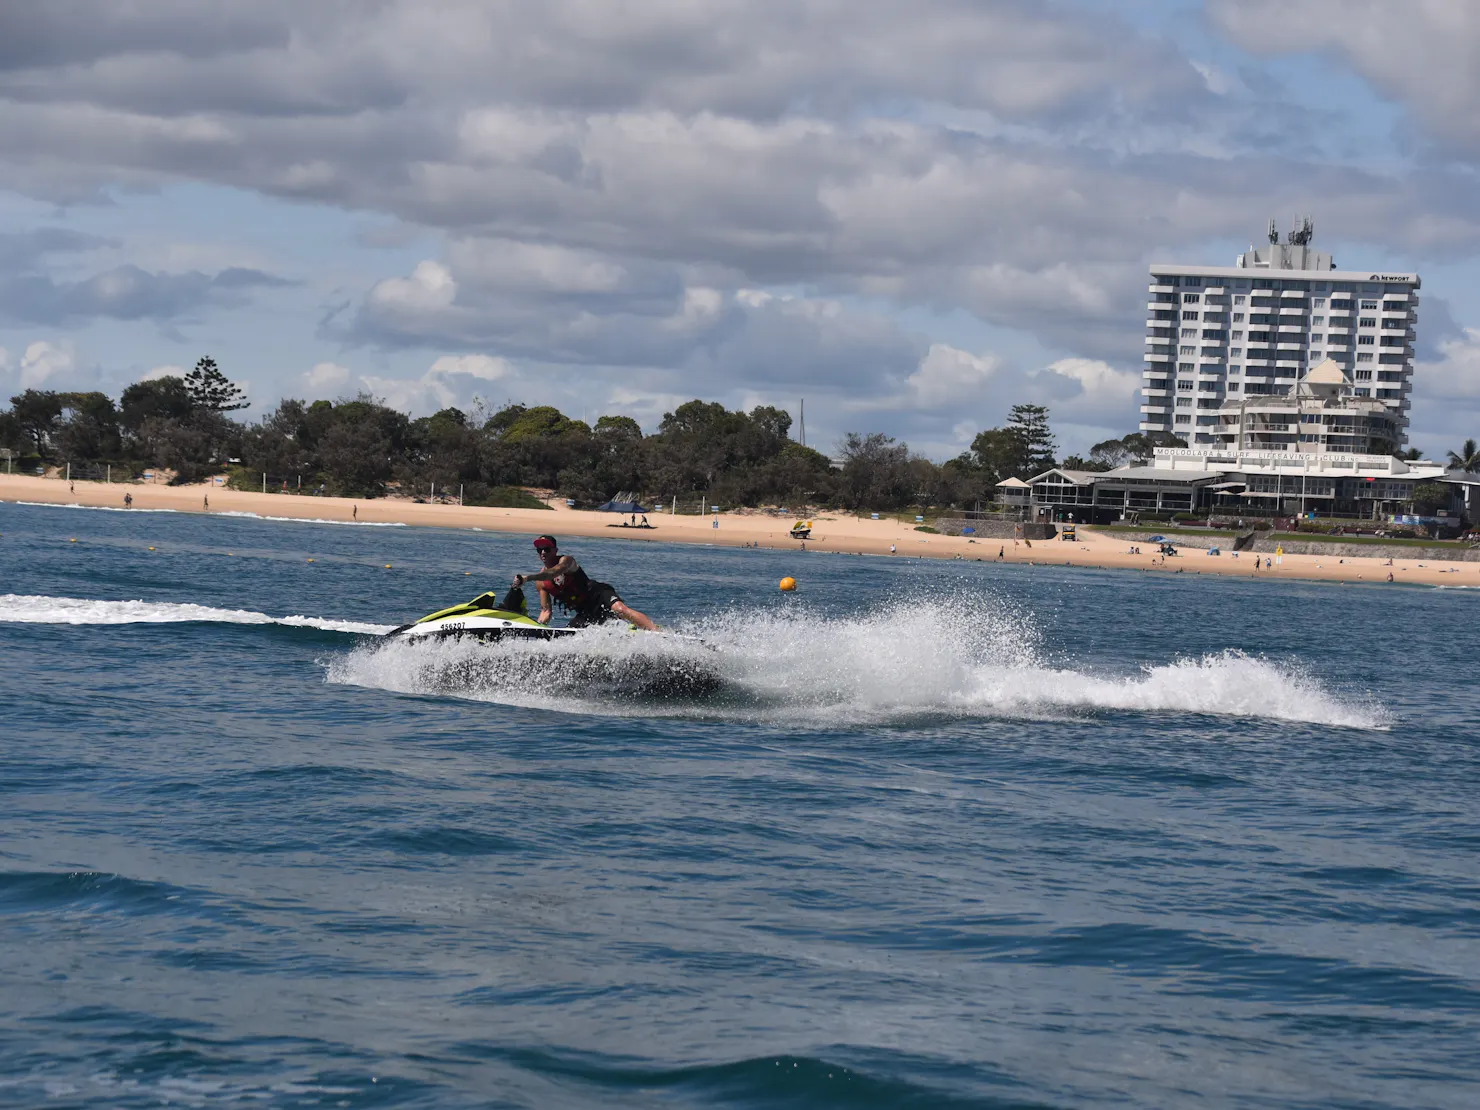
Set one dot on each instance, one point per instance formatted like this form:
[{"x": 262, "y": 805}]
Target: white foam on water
[
  {"x": 37, "y": 609},
  {"x": 91, "y": 508},
  {"x": 982, "y": 659},
  {"x": 315, "y": 520}
]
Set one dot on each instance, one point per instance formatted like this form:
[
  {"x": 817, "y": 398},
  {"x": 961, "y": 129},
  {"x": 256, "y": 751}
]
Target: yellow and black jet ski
[
  {"x": 646, "y": 665},
  {"x": 486, "y": 617}
]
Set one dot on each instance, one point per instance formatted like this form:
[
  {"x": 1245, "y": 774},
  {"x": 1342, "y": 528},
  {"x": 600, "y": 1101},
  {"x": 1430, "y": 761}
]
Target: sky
[{"x": 911, "y": 215}]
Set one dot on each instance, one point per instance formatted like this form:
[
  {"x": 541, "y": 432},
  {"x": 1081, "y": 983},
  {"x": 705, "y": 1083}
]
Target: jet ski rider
[{"x": 564, "y": 581}]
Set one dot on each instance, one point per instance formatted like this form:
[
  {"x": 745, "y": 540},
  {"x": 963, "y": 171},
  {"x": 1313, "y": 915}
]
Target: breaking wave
[
  {"x": 315, "y": 520},
  {"x": 36, "y": 609},
  {"x": 91, "y": 508},
  {"x": 912, "y": 660}
]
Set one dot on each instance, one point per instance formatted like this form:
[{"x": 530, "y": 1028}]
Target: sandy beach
[{"x": 832, "y": 532}]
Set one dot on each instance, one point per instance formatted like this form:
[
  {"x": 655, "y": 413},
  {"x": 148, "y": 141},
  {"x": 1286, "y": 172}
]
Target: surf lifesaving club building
[{"x": 1321, "y": 448}]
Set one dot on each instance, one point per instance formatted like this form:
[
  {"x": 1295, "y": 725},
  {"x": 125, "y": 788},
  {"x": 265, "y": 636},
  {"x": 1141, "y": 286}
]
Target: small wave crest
[
  {"x": 977, "y": 659},
  {"x": 36, "y": 609},
  {"x": 315, "y": 520},
  {"x": 90, "y": 508}
]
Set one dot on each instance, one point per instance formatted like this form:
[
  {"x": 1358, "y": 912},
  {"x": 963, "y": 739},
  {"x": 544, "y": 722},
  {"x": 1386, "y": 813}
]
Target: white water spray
[
  {"x": 36, "y": 609},
  {"x": 911, "y": 660}
]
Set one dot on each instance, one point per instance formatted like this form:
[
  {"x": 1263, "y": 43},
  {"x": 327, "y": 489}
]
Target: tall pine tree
[{"x": 211, "y": 390}]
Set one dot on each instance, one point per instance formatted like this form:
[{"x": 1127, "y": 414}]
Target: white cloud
[
  {"x": 450, "y": 380},
  {"x": 429, "y": 287},
  {"x": 483, "y": 367},
  {"x": 1419, "y": 52},
  {"x": 325, "y": 378},
  {"x": 43, "y": 361},
  {"x": 1446, "y": 396},
  {"x": 166, "y": 371},
  {"x": 948, "y": 377},
  {"x": 1100, "y": 384}
]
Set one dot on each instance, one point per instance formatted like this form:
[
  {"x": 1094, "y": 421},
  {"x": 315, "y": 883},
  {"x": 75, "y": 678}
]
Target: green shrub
[
  {"x": 927, "y": 528},
  {"x": 501, "y": 497}
]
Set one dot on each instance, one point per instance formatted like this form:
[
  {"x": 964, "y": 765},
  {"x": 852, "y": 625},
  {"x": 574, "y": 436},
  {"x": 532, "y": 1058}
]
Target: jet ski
[
  {"x": 526, "y": 656},
  {"x": 487, "y": 617}
]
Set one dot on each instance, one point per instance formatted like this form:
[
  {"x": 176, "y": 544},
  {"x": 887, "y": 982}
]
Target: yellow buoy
[
  {"x": 310, "y": 560},
  {"x": 788, "y": 584},
  {"x": 151, "y": 549},
  {"x": 72, "y": 540},
  {"x": 387, "y": 566}
]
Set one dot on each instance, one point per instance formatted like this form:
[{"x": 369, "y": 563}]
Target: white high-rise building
[{"x": 1222, "y": 333}]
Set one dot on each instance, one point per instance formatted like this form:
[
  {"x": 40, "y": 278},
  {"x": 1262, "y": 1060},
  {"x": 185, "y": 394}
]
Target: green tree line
[{"x": 360, "y": 447}]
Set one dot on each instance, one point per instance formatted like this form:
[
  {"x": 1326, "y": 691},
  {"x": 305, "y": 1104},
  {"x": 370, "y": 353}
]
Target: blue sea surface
[{"x": 949, "y": 834}]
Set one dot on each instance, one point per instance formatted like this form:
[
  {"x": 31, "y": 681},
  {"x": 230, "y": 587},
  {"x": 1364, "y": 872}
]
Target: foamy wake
[
  {"x": 922, "y": 659},
  {"x": 35, "y": 609}
]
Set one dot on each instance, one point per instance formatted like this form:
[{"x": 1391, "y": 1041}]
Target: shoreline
[{"x": 836, "y": 533}]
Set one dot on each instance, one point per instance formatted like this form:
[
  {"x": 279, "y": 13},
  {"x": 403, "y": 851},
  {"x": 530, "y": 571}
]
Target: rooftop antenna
[
  {"x": 1303, "y": 233},
  {"x": 1274, "y": 236}
]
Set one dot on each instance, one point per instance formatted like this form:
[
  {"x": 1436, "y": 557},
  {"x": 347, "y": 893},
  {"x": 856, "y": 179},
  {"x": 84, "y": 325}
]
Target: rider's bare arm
[
  {"x": 563, "y": 565},
  {"x": 547, "y": 606}
]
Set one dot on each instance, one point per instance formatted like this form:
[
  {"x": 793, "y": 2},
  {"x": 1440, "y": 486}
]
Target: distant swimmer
[{"x": 590, "y": 602}]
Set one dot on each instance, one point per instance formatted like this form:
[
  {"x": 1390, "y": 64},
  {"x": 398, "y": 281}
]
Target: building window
[
  {"x": 1180, "y": 419},
  {"x": 1395, "y": 325},
  {"x": 1187, "y": 351},
  {"x": 1189, "y": 333},
  {"x": 1364, "y": 375},
  {"x": 1367, "y": 306},
  {"x": 1184, "y": 402},
  {"x": 1207, "y": 387},
  {"x": 1317, "y": 319},
  {"x": 1191, "y": 298},
  {"x": 1364, "y": 356},
  {"x": 1233, "y": 387},
  {"x": 1189, "y": 315},
  {"x": 1318, "y": 302},
  {"x": 1238, "y": 317},
  {"x": 1239, "y": 297},
  {"x": 1185, "y": 366},
  {"x": 1192, "y": 281},
  {"x": 1184, "y": 384},
  {"x": 1366, "y": 341},
  {"x": 1366, "y": 322}
]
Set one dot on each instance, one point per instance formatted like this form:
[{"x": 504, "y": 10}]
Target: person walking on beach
[
  {"x": 205, "y": 503},
  {"x": 128, "y": 501},
  {"x": 562, "y": 580},
  {"x": 354, "y": 512}
]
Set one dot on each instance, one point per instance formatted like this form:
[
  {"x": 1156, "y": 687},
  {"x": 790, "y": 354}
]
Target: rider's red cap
[{"x": 544, "y": 543}]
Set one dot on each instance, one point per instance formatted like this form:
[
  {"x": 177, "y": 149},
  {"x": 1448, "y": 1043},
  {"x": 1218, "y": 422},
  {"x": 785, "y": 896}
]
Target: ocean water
[{"x": 948, "y": 835}]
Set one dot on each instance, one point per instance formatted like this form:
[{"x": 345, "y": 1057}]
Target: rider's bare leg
[{"x": 627, "y": 613}]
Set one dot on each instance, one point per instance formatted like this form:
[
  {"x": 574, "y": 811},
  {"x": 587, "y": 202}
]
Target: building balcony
[{"x": 1161, "y": 358}]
